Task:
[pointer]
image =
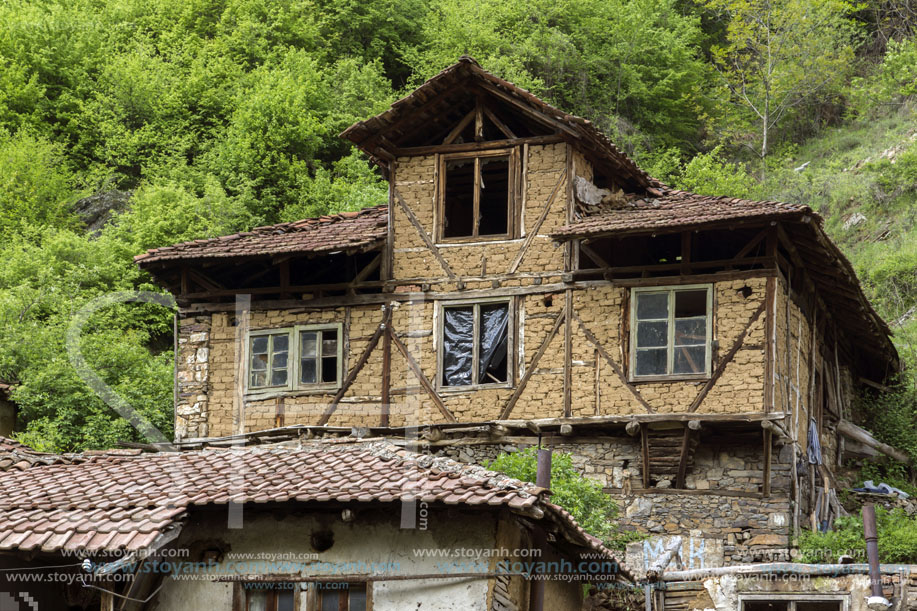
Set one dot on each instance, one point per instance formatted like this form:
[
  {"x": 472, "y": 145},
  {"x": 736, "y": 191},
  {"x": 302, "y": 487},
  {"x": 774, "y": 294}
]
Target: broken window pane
[
  {"x": 651, "y": 362},
  {"x": 690, "y": 359},
  {"x": 268, "y": 360},
  {"x": 458, "y": 344},
  {"x": 493, "y": 205},
  {"x": 690, "y": 303},
  {"x": 308, "y": 371},
  {"x": 357, "y": 595},
  {"x": 257, "y": 600},
  {"x": 458, "y": 203},
  {"x": 652, "y": 306},
  {"x": 492, "y": 352},
  {"x": 691, "y": 332},
  {"x": 652, "y": 334}
]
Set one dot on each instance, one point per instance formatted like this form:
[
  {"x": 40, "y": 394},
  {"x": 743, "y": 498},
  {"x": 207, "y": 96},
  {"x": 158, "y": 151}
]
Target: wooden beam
[
  {"x": 544, "y": 213},
  {"x": 511, "y": 403},
  {"x": 418, "y": 372},
  {"x": 423, "y": 234},
  {"x": 386, "y": 376},
  {"x": 348, "y": 381},
  {"x": 500, "y": 124},
  {"x": 768, "y": 443},
  {"x": 568, "y": 354},
  {"x": 450, "y": 138},
  {"x": 478, "y": 120},
  {"x": 645, "y": 455},
  {"x": 754, "y": 242},
  {"x": 721, "y": 367},
  {"x": 852, "y": 431},
  {"x": 683, "y": 458},
  {"x": 466, "y": 147},
  {"x": 770, "y": 342}
]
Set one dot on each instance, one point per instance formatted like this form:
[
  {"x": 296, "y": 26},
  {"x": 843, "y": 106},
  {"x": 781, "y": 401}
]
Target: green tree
[
  {"x": 778, "y": 54},
  {"x": 594, "y": 510}
]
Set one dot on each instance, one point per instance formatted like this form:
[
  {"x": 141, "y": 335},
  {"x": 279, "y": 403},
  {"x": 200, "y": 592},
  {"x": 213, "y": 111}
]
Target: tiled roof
[
  {"x": 359, "y": 230},
  {"x": 110, "y": 502},
  {"x": 677, "y": 209},
  {"x": 15, "y": 456}
]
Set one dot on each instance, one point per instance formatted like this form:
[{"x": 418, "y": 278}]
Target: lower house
[{"x": 366, "y": 526}]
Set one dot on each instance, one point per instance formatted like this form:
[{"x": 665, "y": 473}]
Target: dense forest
[{"x": 130, "y": 124}]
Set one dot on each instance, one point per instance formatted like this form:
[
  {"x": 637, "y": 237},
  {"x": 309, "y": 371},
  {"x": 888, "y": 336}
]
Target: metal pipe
[
  {"x": 871, "y": 533},
  {"x": 543, "y": 480}
]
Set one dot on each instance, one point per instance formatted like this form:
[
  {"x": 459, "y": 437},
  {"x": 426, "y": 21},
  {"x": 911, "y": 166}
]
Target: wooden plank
[
  {"x": 364, "y": 357},
  {"x": 500, "y": 124},
  {"x": 568, "y": 354},
  {"x": 770, "y": 331},
  {"x": 478, "y": 121},
  {"x": 544, "y": 213},
  {"x": 418, "y": 372},
  {"x": 423, "y": 234},
  {"x": 614, "y": 366},
  {"x": 695, "y": 279},
  {"x": 645, "y": 455},
  {"x": 721, "y": 367},
  {"x": 683, "y": 459},
  {"x": 754, "y": 242},
  {"x": 511, "y": 403}
]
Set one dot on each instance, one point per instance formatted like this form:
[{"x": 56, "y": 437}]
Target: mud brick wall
[{"x": 415, "y": 179}]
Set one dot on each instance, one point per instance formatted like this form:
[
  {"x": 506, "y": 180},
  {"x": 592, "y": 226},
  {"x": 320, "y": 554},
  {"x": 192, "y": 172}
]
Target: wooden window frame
[
  {"x": 439, "y": 322},
  {"x": 791, "y": 599},
  {"x": 313, "y": 601},
  {"x": 440, "y": 198},
  {"x": 293, "y": 361},
  {"x": 670, "y": 340},
  {"x": 240, "y": 594}
]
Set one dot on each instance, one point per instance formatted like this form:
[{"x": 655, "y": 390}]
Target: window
[
  {"x": 341, "y": 597},
  {"x": 270, "y": 596},
  {"x": 477, "y": 196},
  {"x": 790, "y": 602},
  {"x": 475, "y": 340},
  {"x": 306, "y": 357},
  {"x": 670, "y": 332}
]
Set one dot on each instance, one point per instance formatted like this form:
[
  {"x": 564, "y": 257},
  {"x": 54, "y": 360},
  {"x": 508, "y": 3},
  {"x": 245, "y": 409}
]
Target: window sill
[
  {"x": 261, "y": 395},
  {"x": 458, "y": 390},
  {"x": 478, "y": 241},
  {"x": 672, "y": 378}
]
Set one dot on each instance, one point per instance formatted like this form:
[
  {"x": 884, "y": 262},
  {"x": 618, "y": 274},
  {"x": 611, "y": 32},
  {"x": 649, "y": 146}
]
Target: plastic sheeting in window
[
  {"x": 494, "y": 322},
  {"x": 458, "y": 345}
]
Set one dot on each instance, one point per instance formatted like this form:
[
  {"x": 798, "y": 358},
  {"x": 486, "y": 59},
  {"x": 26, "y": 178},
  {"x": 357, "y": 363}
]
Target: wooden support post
[
  {"x": 568, "y": 355},
  {"x": 645, "y": 454},
  {"x": 685, "y": 252},
  {"x": 770, "y": 350},
  {"x": 598, "y": 382},
  {"x": 284, "y": 278},
  {"x": 108, "y": 601},
  {"x": 386, "y": 376},
  {"x": 766, "y": 486},
  {"x": 683, "y": 459}
]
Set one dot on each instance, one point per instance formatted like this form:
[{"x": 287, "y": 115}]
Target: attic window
[
  {"x": 476, "y": 195},
  {"x": 475, "y": 339},
  {"x": 671, "y": 332}
]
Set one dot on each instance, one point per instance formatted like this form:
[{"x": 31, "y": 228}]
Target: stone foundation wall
[{"x": 193, "y": 378}]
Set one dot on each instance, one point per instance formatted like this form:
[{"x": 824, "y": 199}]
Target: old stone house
[{"x": 528, "y": 283}]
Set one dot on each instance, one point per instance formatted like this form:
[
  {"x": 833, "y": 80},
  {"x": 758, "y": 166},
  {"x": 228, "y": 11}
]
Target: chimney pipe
[
  {"x": 877, "y": 601},
  {"x": 543, "y": 480}
]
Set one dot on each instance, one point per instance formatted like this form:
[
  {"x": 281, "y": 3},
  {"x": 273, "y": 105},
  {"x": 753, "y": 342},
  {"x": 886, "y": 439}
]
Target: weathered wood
[
  {"x": 466, "y": 147},
  {"x": 450, "y": 138},
  {"x": 478, "y": 121},
  {"x": 418, "y": 372},
  {"x": 590, "y": 336},
  {"x": 386, "y": 376},
  {"x": 645, "y": 455},
  {"x": 770, "y": 322},
  {"x": 683, "y": 458},
  {"x": 500, "y": 124},
  {"x": 754, "y": 242},
  {"x": 423, "y": 234},
  {"x": 544, "y": 214},
  {"x": 852, "y": 431},
  {"x": 695, "y": 279},
  {"x": 727, "y": 358},
  {"x": 511, "y": 403},
  {"x": 568, "y": 354},
  {"x": 662, "y": 562},
  {"x": 766, "y": 486},
  {"x": 663, "y": 267},
  {"x": 364, "y": 357},
  {"x": 674, "y": 491}
]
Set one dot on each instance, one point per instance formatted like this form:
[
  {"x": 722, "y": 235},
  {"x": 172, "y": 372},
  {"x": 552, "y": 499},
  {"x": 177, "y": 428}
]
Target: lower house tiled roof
[
  {"x": 117, "y": 501},
  {"x": 15, "y": 456},
  {"x": 361, "y": 230},
  {"x": 674, "y": 210}
]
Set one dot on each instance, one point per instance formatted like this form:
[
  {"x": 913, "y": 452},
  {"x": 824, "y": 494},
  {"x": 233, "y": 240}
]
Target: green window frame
[
  {"x": 671, "y": 332},
  {"x": 303, "y": 358}
]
